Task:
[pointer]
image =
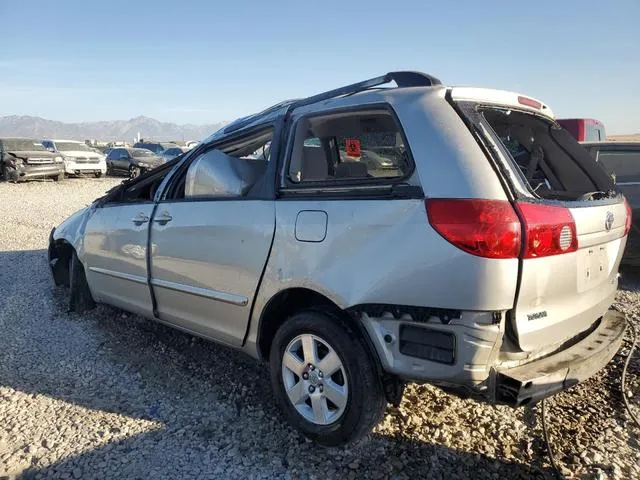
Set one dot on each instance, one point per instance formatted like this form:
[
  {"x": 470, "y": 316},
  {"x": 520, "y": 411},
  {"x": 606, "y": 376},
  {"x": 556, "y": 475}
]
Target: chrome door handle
[
  {"x": 140, "y": 218},
  {"x": 163, "y": 218}
]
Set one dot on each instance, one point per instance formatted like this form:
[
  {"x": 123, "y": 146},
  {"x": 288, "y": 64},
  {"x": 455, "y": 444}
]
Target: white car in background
[{"x": 78, "y": 157}]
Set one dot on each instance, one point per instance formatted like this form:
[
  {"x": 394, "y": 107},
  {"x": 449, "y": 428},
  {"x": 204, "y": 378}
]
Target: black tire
[
  {"x": 97, "y": 174},
  {"x": 134, "y": 171},
  {"x": 109, "y": 169},
  {"x": 366, "y": 402},
  {"x": 59, "y": 177},
  {"x": 80, "y": 299}
]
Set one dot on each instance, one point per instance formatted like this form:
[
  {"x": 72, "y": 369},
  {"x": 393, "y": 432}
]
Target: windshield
[
  {"x": 173, "y": 151},
  {"x": 142, "y": 152},
  {"x": 22, "y": 145},
  {"x": 72, "y": 146}
]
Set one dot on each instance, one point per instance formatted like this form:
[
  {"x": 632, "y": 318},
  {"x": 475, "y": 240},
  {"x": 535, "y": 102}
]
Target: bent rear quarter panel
[{"x": 380, "y": 251}]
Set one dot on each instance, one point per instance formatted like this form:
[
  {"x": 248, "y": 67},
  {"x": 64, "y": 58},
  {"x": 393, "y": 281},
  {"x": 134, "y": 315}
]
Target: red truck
[{"x": 584, "y": 129}]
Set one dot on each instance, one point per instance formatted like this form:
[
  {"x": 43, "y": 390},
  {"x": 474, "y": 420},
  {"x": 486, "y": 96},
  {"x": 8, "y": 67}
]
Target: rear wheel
[
  {"x": 80, "y": 299},
  {"x": 59, "y": 177},
  {"x": 97, "y": 174},
  {"x": 324, "y": 380}
]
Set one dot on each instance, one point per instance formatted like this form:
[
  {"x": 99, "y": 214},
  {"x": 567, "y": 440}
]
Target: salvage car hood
[
  {"x": 24, "y": 154},
  {"x": 155, "y": 160},
  {"x": 81, "y": 153}
]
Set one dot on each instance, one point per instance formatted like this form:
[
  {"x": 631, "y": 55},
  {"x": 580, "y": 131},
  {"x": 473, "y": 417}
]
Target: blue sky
[{"x": 199, "y": 62}]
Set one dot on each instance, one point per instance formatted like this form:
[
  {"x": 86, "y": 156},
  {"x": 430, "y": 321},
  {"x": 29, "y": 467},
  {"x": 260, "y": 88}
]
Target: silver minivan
[{"x": 394, "y": 230}]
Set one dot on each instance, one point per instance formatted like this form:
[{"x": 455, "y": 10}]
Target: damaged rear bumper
[{"x": 541, "y": 378}]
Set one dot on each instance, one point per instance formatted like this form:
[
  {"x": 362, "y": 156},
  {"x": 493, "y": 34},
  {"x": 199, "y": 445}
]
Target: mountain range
[{"x": 127, "y": 130}]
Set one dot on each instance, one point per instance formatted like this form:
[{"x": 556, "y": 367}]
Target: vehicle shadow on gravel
[
  {"x": 218, "y": 418},
  {"x": 147, "y": 456}
]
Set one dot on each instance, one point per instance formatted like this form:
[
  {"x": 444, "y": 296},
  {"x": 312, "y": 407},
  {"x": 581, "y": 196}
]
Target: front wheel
[
  {"x": 324, "y": 380},
  {"x": 134, "y": 171},
  {"x": 80, "y": 298},
  {"x": 97, "y": 174},
  {"x": 59, "y": 177}
]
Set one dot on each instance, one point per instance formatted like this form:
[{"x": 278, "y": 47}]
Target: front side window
[
  {"x": 231, "y": 170},
  {"x": 622, "y": 165},
  {"x": 348, "y": 146}
]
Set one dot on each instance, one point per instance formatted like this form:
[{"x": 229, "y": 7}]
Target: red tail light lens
[
  {"x": 550, "y": 230},
  {"x": 486, "y": 228},
  {"x": 627, "y": 221}
]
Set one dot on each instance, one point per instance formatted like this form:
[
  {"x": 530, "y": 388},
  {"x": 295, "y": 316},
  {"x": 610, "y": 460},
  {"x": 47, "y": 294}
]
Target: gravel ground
[{"x": 110, "y": 395}]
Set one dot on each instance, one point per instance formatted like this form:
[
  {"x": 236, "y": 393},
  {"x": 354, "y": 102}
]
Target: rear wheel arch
[{"x": 293, "y": 300}]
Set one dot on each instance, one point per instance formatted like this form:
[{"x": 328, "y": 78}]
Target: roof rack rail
[{"x": 402, "y": 79}]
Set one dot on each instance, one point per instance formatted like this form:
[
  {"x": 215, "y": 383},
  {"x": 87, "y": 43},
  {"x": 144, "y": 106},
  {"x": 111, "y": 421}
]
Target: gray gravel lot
[{"x": 111, "y": 395}]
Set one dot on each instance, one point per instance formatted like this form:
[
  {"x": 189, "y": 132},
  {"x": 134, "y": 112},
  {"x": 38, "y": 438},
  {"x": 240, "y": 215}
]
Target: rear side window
[
  {"x": 594, "y": 132},
  {"x": 343, "y": 147},
  {"x": 622, "y": 165}
]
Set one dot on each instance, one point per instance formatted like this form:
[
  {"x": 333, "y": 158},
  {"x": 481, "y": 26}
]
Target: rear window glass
[
  {"x": 348, "y": 146},
  {"x": 594, "y": 132},
  {"x": 623, "y": 166},
  {"x": 549, "y": 158}
]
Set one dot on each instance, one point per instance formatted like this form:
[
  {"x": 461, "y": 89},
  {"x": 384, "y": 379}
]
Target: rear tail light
[
  {"x": 627, "y": 221},
  {"x": 486, "y": 228},
  {"x": 549, "y": 230},
  {"x": 492, "y": 229}
]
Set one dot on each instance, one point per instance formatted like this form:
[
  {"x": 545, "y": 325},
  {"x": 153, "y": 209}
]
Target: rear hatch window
[{"x": 553, "y": 164}]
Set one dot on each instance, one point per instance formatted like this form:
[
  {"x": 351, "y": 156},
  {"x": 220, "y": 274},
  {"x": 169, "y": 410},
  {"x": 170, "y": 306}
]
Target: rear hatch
[{"x": 574, "y": 223}]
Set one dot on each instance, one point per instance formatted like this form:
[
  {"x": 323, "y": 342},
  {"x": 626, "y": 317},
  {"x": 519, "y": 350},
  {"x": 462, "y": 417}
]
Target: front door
[
  {"x": 115, "y": 254},
  {"x": 207, "y": 258}
]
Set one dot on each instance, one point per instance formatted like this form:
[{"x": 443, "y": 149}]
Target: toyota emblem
[{"x": 608, "y": 222}]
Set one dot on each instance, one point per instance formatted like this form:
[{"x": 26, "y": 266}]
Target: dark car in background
[
  {"x": 156, "y": 147},
  {"x": 132, "y": 161},
  {"x": 621, "y": 160},
  {"x": 26, "y": 158},
  {"x": 171, "y": 153}
]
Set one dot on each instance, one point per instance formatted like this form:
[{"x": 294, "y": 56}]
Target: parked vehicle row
[
  {"x": 363, "y": 238},
  {"x": 26, "y": 158}
]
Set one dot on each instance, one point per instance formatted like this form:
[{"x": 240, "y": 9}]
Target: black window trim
[
  {"x": 235, "y": 137},
  {"x": 349, "y": 186}
]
